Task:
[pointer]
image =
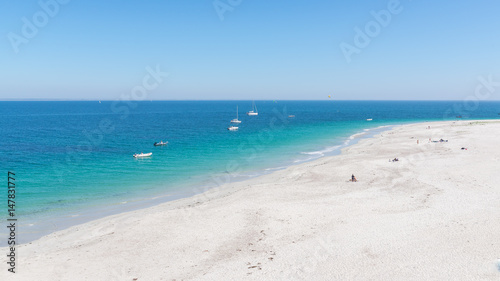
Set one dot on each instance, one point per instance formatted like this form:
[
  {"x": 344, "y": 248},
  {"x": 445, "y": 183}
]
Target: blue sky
[{"x": 99, "y": 50}]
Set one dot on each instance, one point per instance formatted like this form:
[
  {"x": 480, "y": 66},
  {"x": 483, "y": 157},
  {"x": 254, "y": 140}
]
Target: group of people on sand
[{"x": 394, "y": 160}]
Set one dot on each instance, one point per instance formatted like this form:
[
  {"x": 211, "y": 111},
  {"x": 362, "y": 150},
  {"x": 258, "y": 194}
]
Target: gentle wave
[
  {"x": 322, "y": 152},
  {"x": 358, "y": 134}
]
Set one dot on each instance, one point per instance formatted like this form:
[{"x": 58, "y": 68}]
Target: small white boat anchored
[
  {"x": 236, "y": 121},
  {"x": 233, "y": 128},
  {"x": 160, "y": 143},
  {"x": 140, "y": 155},
  {"x": 291, "y": 116},
  {"x": 369, "y": 119},
  {"x": 254, "y": 111}
]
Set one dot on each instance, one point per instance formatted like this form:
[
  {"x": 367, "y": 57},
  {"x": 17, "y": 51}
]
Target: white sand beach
[{"x": 432, "y": 215}]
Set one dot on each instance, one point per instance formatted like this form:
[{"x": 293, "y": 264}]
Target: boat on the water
[
  {"x": 233, "y": 128},
  {"x": 369, "y": 119},
  {"x": 236, "y": 121},
  {"x": 291, "y": 116},
  {"x": 254, "y": 111},
  {"x": 160, "y": 143},
  {"x": 140, "y": 155}
]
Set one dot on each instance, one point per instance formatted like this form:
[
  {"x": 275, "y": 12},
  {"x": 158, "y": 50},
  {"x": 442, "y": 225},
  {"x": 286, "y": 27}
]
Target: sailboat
[
  {"x": 236, "y": 120},
  {"x": 254, "y": 111}
]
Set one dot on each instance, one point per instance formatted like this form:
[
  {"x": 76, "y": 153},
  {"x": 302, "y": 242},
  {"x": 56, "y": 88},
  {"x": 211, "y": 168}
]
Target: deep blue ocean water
[{"x": 73, "y": 159}]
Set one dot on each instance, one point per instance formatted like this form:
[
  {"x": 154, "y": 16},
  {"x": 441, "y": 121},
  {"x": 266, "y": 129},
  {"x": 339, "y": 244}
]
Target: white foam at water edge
[
  {"x": 305, "y": 160},
  {"x": 322, "y": 152},
  {"x": 357, "y": 135},
  {"x": 250, "y": 175},
  {"x": 346, "y": 142},
  {"x": 273, "y": 169},
  {"x": 379, "y": 127}
]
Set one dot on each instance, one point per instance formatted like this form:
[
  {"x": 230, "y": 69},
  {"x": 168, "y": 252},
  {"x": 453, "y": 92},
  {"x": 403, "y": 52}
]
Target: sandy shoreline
[
  {"x": 35, "y": 228},
  {"x": 432, "y": 215}
]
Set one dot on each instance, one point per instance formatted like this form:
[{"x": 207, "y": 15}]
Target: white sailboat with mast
[
  {"x": 254, "y": 111},
  {"x": 236, "y": 121}
]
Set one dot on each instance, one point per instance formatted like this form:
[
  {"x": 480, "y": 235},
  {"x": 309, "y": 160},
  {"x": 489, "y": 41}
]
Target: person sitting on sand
[{"x": 353, "y": 178}]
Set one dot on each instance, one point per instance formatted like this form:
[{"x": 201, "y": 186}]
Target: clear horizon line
[{"x": 107, "y": 100}]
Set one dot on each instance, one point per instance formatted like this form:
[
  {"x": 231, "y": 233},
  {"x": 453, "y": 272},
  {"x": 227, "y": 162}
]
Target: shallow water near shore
[{"x": 73, "y": 160}]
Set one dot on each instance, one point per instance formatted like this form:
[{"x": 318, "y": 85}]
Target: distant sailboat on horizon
[{"x": 254, "y": 111}]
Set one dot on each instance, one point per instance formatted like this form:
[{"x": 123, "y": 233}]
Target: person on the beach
[{"x": 353, "y": 178}]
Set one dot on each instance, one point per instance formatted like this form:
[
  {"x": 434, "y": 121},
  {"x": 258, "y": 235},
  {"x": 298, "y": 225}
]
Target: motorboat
[
  {"x": 369, "y": 119},
  {"x": 233, "y": 128},
  {"x": 140, "y": 155},
  {"x": 160, "y": 143}
]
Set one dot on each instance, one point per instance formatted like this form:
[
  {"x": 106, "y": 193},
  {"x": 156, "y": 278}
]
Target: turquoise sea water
[{"x": 73, "y": 160}]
